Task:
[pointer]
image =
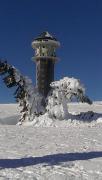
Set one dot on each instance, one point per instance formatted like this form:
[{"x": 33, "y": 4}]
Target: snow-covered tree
[
  {"x": 28, "y": 97},
  {"x": 62, "y": 92},
  {"x": 33, "y": 104}
]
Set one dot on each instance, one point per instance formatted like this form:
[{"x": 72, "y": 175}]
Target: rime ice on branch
[
  {"x": 62, "y": 92},
  {"x": 26, "y": 94}
]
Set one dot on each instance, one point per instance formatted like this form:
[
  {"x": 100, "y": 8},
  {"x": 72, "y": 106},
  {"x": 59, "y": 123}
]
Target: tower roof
[{"x": 44, "y": 36}]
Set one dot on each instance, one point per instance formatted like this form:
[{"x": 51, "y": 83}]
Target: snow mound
[
  {"x": 89, "y": 118},
  {"x": 79, "y": 113}
]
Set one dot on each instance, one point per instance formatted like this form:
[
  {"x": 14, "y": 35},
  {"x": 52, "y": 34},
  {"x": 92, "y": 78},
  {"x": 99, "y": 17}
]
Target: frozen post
[{"x": 45, "y": 57}]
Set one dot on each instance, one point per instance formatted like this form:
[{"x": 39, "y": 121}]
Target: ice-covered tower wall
[{"x": 45, "y": 57}]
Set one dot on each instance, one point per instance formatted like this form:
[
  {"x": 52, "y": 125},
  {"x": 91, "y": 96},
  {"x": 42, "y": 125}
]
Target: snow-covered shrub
[{"x": 62, "y": 92}]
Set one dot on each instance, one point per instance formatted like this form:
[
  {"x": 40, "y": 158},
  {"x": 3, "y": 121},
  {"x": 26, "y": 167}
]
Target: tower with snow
[{"x": 45, "y": 57}]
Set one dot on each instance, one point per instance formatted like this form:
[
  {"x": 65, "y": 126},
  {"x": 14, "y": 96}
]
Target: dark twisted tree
[
  {"x": 9, "y": 78},
  {"x": 25, "y": 92}
]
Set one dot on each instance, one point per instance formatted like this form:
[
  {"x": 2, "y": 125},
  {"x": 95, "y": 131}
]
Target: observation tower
[{"x": 45, "y": 58}]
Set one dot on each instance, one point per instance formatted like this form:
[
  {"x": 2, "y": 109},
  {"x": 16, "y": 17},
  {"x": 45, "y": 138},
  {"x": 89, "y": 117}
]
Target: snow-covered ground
[{"x": 62, "y": 150}]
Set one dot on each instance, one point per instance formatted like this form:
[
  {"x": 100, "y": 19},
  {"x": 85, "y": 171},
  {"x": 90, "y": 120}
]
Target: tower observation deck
[{"x": 45, "y": 57}]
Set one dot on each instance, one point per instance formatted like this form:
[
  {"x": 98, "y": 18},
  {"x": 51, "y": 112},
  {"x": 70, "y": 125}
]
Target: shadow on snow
[
  {"x": 81, "y": 117},
  {"x": 86, "y": 116},
  {"x": 53, "y": 159},
  {"x": 12, "y": 120}
]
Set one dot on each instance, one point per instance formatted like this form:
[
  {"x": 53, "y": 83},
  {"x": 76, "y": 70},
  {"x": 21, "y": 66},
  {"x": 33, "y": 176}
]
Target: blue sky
[{"x": 77, "y": 24}]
